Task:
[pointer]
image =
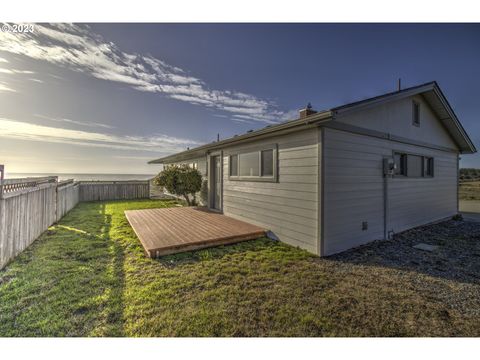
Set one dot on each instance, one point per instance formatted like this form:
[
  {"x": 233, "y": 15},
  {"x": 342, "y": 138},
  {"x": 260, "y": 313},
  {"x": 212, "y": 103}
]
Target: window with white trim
[{"x": 257, "y": 165}]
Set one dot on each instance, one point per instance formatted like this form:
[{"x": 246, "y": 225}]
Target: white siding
[
  {"x": 289, "y": 207},
  {"x": 396, "y": 118},
  {"x": 353, "y": 190}
]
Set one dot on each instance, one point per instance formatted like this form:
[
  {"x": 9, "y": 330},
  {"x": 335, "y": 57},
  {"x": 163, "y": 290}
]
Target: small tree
[{"x": 181, "y": 180}]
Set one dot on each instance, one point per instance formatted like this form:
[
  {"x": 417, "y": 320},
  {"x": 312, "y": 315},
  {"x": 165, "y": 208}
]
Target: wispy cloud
[
  {"x": 76, "y": 122},
  {"x": 36, "y": 80},
  {"x": 2, "y": 60},
  {"x": 5, "y": 87},
  {"x": 15, "y": 71},
  {"x": 26, "y": 131},
  {"x": 78, "y": 48}
]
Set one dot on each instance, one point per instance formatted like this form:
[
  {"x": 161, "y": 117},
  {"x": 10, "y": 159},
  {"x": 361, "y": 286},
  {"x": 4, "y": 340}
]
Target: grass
[
  {"x": 88, "y": 276},
  {"x": 469, "y": 190}
]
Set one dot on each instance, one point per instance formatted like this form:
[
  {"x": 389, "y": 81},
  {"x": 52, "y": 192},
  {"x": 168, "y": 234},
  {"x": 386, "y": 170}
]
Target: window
[
  {"x": 411, "y": 165},
  {"x": 267, "y": 162},
  {"x": 256, "y": 165},
  {"x": 193, "y": 165},
  {"x": 249, "y": 164},
  {"x": 401, "y": 164},
  {"x": 414, "y": 166},
  {"x": 416, "y": 113},
  {"x": 428, "y": 166},
  {"x": 233, "y": 165}
]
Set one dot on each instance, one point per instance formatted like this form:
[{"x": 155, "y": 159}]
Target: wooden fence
[
  {"x": 114, "y": 190},
  {"x": 29, "y": 206},
  {"x": 67, "y": 197}
]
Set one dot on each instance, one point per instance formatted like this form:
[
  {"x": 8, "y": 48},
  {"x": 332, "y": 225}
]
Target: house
[{"x": 332, "y": 180}]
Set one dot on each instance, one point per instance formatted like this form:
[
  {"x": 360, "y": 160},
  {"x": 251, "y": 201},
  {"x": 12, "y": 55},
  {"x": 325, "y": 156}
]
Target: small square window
[{"x": 416, "y": 114}]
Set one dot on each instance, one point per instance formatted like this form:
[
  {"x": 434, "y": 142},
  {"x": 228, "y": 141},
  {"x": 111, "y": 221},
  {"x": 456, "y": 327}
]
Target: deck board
[{"x": 171, "y": 230}]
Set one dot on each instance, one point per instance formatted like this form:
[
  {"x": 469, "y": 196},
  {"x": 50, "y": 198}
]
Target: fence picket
[{"x": 29, "y": 206}]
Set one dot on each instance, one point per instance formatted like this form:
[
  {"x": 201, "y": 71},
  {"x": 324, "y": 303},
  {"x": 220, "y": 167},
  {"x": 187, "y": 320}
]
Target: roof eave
[
  {"x": 430, "y": 86},
  {"x": 471, "y": 147},
  {"x": 265, "y": 132}
]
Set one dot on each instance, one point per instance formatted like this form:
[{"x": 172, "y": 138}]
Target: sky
[{"x": 107, "y": 98}]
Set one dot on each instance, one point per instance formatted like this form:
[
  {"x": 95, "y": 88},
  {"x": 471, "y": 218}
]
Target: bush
[
  {"x": 181, "y": 180},
  {"x": 457, "y": 217}
]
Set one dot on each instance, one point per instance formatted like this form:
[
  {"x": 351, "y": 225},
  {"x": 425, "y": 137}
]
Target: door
[{"x": 216, "y": 189}]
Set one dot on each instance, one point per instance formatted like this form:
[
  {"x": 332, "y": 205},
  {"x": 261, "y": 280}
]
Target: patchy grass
[
  {"x": 469, "y": 190},
  {"x": 88, "y": 276}
]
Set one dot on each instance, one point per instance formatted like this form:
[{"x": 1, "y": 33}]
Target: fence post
[
  {"x": 56, "y": 200},
  {"x": 3, "y": 230}
]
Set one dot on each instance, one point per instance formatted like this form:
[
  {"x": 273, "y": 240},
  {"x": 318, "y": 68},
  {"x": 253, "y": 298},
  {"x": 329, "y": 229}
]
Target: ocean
[{"x": 83, "y": 177}]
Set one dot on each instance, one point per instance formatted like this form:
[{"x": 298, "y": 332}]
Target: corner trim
[{"x": 322, "y": 193}]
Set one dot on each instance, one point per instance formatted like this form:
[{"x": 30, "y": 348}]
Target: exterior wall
[
  {"x": 288, "y": 207},
  {"x": 354, "y": 189},
  {"x": 396, "y": 118}
]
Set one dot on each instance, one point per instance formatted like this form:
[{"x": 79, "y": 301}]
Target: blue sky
[{"x": 109, "y": 97}]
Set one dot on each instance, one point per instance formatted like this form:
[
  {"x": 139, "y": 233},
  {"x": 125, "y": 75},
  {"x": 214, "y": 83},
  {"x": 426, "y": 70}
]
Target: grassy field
[
  {"x": 88, "y": 276},
  {"x": 469, "y": 190}
]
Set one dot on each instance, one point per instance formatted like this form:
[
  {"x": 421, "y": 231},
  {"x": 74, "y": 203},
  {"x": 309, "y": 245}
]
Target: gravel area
[{"x": 450, "y": 274}]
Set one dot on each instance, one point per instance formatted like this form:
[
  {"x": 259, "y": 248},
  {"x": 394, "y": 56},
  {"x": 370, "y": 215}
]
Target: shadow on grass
[
  {"x": 70, "y": 282},
  {"x": 216, "y": 252},
  {"x": 457, "y": 257}
]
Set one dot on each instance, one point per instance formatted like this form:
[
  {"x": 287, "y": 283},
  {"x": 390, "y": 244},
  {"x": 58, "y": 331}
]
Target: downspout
[
  {"x": 388, "y": 170},
  {"x": 385, "y": 205},
  {"x": 458, "y": 183}
]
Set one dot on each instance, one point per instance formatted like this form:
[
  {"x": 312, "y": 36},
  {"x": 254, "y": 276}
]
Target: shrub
[
  {"x": 457, "y": 217},
  {"x": 181, "y": 180}
]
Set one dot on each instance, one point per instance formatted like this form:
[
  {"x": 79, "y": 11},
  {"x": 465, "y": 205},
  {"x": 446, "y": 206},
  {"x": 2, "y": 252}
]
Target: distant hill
[{"x": 469, "y": 174}]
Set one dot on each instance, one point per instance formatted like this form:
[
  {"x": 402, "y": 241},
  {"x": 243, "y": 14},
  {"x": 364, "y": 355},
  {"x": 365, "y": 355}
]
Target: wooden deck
[{"x": 172, "y": 230}]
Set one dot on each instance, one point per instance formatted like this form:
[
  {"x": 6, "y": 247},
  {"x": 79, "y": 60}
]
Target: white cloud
[
  {"x": 4, "y": 87},
  {"x": 36, "y": 80},
  {"x": 13, "y": 129},
  {"x": 23, "y": 71},
  {"x": 2, "y": 60},
  {"x": 15, "y": 71},
  {"x": 78, "y": 48},
  {"x": 89, "y": 124}
]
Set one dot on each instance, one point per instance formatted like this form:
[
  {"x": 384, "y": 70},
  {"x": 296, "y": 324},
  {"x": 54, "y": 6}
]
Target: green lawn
[{"x": 88, "y": 276}]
